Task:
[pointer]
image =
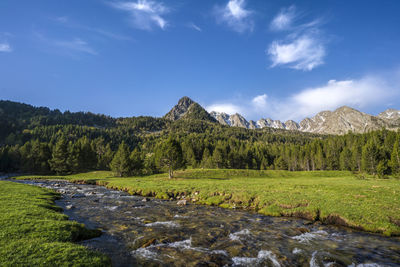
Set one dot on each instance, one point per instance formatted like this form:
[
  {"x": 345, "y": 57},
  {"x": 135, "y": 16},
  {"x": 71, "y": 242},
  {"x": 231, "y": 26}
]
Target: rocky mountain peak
[
  {"x": 188, "y": 109},
  {"x": 185, "y": 102},
  {"x": 179, "y": 109},
  {"x": 390, "y": 114},
  {"x": 339, "y": 121}
]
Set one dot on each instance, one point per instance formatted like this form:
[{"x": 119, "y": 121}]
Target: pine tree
[
  {"x": 370, "y": 157},
  {"x": 58, "y": 162},
  {"x": 345, "y": 159},
  {"x": 395, "y": 158},
  {"x": 120, "y": 163},
  {"x": 169, "y": 154},
  {"x": 137, "y": 162}
]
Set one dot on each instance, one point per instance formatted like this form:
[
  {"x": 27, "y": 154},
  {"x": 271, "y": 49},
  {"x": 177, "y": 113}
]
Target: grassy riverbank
[
  {"x": 34, "y": 232},
  {"x": 332, "y": 197}
]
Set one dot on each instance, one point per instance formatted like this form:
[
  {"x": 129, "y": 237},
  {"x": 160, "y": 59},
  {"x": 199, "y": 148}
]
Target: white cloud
[
  {"x": 195, "y": 27},
  {"x": 145, "y": 14},
  {"x": 66, "y": 21},
  {"x": 304, "y": 46},
  {"x": 284, "y": 19},
  {"x": 77, "y": 45},
  {"x": 366, "y": 92},
  {"x": 228, "y": 108},
  {"x": 235, "y": 15},
  {"x": 303, "y": 53},
  {"x": 5, "y": 47},
  {"x": 260, "y": 101},
  {"x": 361, "y": 93}
]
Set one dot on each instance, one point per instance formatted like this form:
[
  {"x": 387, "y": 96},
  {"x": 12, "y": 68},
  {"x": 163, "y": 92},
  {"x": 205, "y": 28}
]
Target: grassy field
[
  {"x": 33, "y": 231},
  {"x": 332, "y": 197}
]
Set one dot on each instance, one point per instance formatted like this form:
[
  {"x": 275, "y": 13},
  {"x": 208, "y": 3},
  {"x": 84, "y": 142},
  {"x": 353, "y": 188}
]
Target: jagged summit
[
  {"x": 339, "y": 121},
  {"x": 188, "y": 109}
]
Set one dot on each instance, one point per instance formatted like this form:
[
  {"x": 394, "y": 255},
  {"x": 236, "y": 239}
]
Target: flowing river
[{"x": 139, "y": 231}]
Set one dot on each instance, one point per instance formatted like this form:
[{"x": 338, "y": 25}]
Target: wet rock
[
  {"x": 149, "y": 243},
  {"x": 182, "y": 202},
  {"x": 303, "y": 230},
  {"x": 78, "y": 195}
]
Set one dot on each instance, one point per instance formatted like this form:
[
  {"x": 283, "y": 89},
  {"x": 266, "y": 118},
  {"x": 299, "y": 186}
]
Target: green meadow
[
  {"x": 34, "y": 232},
  {"x": 331, "y": 197}
]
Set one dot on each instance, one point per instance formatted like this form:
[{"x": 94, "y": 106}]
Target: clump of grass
[
  {"x": 33, "y": 232},
  {"x": 332, "y": 197}
]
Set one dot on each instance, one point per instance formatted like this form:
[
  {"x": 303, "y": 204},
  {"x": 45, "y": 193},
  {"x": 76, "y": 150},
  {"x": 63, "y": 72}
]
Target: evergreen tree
[
  {"x": 395, "y": 158},
  {"x": 370, "y": 157},
  {"x": 137, "y": 162},
  {"x": 120, "y": 163},
  {"x": 206, "y": 162},
  {"x": 345, "y": 159},
  {"x": 169, "y": 154},
  {"x": 58, "y": 162}
]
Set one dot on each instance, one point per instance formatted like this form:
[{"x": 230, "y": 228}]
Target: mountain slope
[
  {"x": 340, "y": 121},
  {"x": 188, "y": 109}
]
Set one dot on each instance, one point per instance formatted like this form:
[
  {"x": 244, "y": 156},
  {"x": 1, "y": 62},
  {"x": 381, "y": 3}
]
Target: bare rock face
[
  {"x": 292, "y": 125},
  {"x": 238, "y": 121},
  {"x": 221, "y": 117},
  {"x": 340, "y": 121},
  {"x": 390, "y": 115},
  {"x": 180, "y": 109},
  {"x": 188, "y": 109}
]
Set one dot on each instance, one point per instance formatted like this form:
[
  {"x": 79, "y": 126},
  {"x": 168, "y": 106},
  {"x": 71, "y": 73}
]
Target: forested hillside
[{"x": 44, "y": 141}]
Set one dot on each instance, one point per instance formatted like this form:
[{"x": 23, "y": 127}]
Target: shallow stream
[{"x": 150, "y": 232}]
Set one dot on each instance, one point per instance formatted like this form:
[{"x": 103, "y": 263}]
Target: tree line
[{"x": 375, "y": 153}]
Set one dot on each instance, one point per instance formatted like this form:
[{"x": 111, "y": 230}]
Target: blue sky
[{"x": 280, "y": 59}]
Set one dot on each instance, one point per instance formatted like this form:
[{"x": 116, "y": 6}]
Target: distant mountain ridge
[
  {"x": 339, "y": 121},
  {"x": 15, "y": 117}
]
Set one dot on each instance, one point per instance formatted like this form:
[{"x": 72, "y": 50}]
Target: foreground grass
[
  {"x": 33, "y": 232},
  {"x": 332, "y": 197}
]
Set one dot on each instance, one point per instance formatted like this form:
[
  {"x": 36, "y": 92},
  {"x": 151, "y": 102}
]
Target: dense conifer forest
[{"x": 43, "y": 141}]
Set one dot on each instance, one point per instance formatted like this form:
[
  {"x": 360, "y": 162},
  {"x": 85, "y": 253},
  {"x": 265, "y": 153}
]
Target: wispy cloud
[
  {"x": 235, "y": 15},
  {"x": 68, "y": 22},
  {"x": 303, "y": 48},
  {"x": 284, "y": 19},
  {"x": 5, "y": 47},
  {"x": 368, "y": 91},
  {"x": 71, "y": 46},
  {"x": 194, "y": 27},
  {"x": 303, "y": 53},
  {"x": 77, "y": 45},
  {"x": 145, "y": 14}
]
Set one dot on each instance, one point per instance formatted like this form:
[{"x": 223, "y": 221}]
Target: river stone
[
  {"x": 182, "y": 202},
  {"x": 78, "y": 195}
]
